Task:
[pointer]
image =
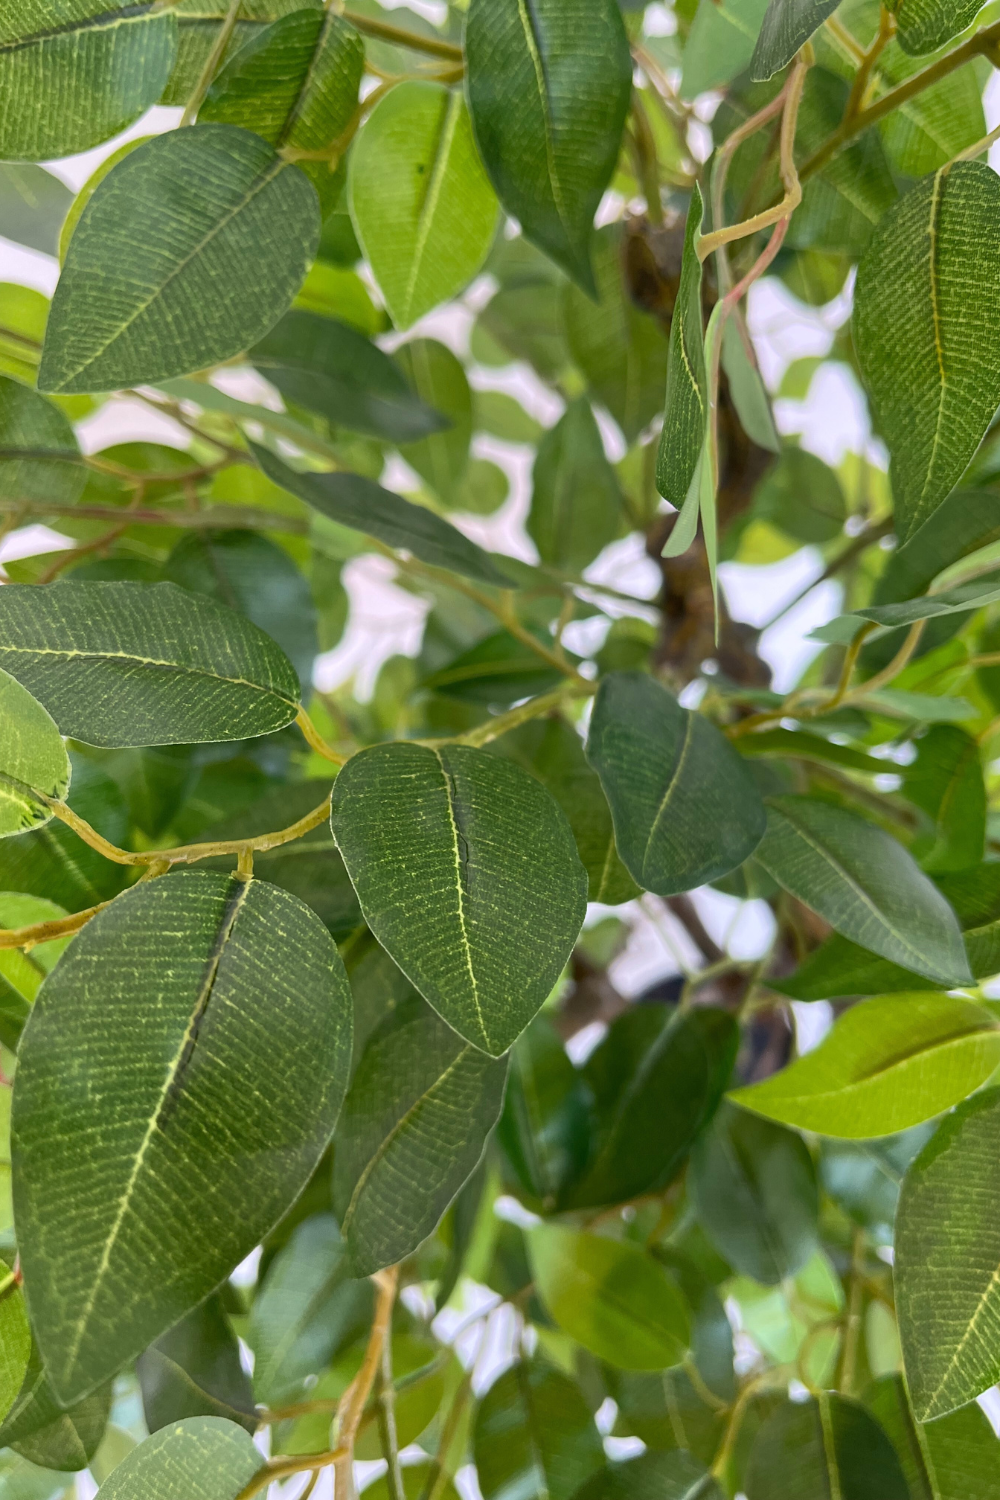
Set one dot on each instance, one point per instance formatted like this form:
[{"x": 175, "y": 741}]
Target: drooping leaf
[
  {"x": 74, "y": 74},
  {"x": 421, "y": 203},
  {"x": 788, "y": 24},
  {"x": 549, "y": 88},
  {"x": 543, "y": 1128},
  {"x": 720, "y": 43},
  {"x": 194, "y": 1370},
  {"x": 39, "y": 454},
  {"x": 653, "y": 1476},
  {"x": 746, "y": 386},
  {"x": 610, "y": 1296},
  {"x": 33, "y": 204},
  {"x": 946, "y": 783},
  {"x": 954, "y": 1458},
  {"x": 468, "y": 875},
  {"x": 685, "y": 807},
  {"x": 229, "y": 229},
  {"x": 576, "y": 499},
  {"x": 354, "y": 501},
  {"x": 534, "y": 1435},
  {"x": 33, "y": 759},
  {"x": 865, "y": 884},
  {"x": 174, "y": 995},
  {"x": 686, "y": 409},
  {"x": 144, "y": 664},
  {"x": 924, "y": 25},
  {"x": 947, "y": 1252},
  {"x": 753, "y": 1187},
  {"x": 933, "y": 390},
  {"x": 413, "y": 1129},
  {"x": 963, "y": 523},
  {"x": 204, "y": 1458},
  {"x": 43, "y": 1432},
  {"x": 828, "y": 1445},
  {"x": 665, "y": 1411},
  {"x": 438, "y": 377}
]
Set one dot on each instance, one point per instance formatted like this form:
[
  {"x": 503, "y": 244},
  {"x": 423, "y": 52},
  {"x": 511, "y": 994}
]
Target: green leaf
[
  {"x": 825, "y": 1446},
  {"x": 20, "y": 1480},
  {"x": 865, "y": 884},
  {"x": 954, "y": 1458},
  {"x": 576, "y": 499},
  {"x": 720, "y": 43},
  {"x": 256, "y": 578},
  {"x": 40, "y": 1430},
  {"x": 963, "y": 523},
  {"x": 421, "y": 204},
  {"x": 610, "y": 1296},
  {"x": 144, "y": 664},
  {"x": 653, "y": 1476},
  {"x": 330, "y": 368},
  {"x": 839, "y": 968},
  {"x": 205, "y": 982},
  {"x": 534, "y": 1435},
  {"x": 351, "y": 500},
  {"x": 930, "y": 130},
  {"x": 54, "y": 861},
  {"x": 686, "y": 410},
  {"x": 665, "y": 1411},
  {"x": 685, "y": 806},
  {"x": 194, "y": 1370},
  {"x": 753, "y": 1187},
  {"x": 946, "y": 782},
  {"x": 204, "y": 1458},
  {"x": 33, "y": 205},
  {"x": 74, "y": 73},
  {"x": 788, "y": 24},
  {"x": 199, "y": 23},
  {"x": 924, "y": 25},
  {"x": 496, "y": 671},
  {"x": 228, "y": 231},
  {"x": 431, "y": 838},
  {"x": 413, "y": 1130},
  {"x": 543, "y": 1128},
  {"x": 416, "y": 1478},
  {"x": 549, "y": 87},
  {"x": 889, "y": 1063},
  {"x": 933, "y": 383},
  {"x": 803, "y": 497},
  {"x": 746, "y": 386},
  {"x": 962, "y": 599},
  {"x": 947, "y": 1252},
  {"x": 15, "y": 1343},
  {"x": 439, "y": 379},
  {"x": 33, "y": 759},
  {"x": 309, "y": 1304},
  {"x": 39, "y": 455},
  {"x": 656, "y": 1080}
]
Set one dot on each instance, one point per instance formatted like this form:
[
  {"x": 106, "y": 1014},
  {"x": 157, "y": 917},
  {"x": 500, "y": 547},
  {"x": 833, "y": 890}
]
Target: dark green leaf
[
  {"x": 204, "y": 1458},
  {"x": 534, "y": 1435},
  {"x": 954, "y": 1458},
  {"x": 413, "y": 1129},
  {"x": 549, "y": 90},
  {"x": 39, "y": 454},
  {"x": 498, "y": 670},
  {"x": 787, "y": 25},
  {"x": 665, "y": 1411},
  {"x": 924, "y": 25},
  {"x": 468, "y": 875},
  {"x": 576, "y": 500},
  {"x": 33, "y": 204},
  {"x": 543, "y": 1128},
  {"x": 194, "y": 1370},
  {"x": 54, "y": 862},
  {"x": 685, "y": 806},
  {"x": 946, "y": 782},
  {"x": 199, "y": 23},
  {"x": 201, "y": 982},
  {"x": 228, "y": 231},
  {"x": 963, "y": 523},
  {"x": 33, "y": 760},
  {"x": 42, "y": 1432},
  {"x": 827, "y": 1446},
  {"x": 687, "y": 379},
  {"x": 653, "y": 1476}
]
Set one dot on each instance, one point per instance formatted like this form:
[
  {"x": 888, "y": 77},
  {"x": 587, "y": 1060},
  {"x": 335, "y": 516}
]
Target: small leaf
[
  {"x": 934, "y": 391},
  {"x": 360, "y": 503},
  {"x": 204, "y": 1458},
  {"x": 496, "y": 671},
  {"x": 228, "y": 231},
  {"x": 33, "y": 205},
  {"x": 947, "y": 1252},
  {"x": 205, "y": 981},
  {"x": 946, "y": 782},
  {"x": 864, "y": 884},
  {"x": 54, "y": 861},
  {"x": 468, "y": 875},
  {"x": 534, "y": 1435},
  {"x": 653, "y": 1476},
  {"x": 413, "y": 1129},
  {"x": 889, "y": 1063},
  {"x": 685, "y": 806},
  {"x": 549, "y": 88},
  {"x": 825, "y": 1446},
  {"x": 39, "y": 455},
  {"x": 746, "y": 386},
  {"x": 686, "y": 411},
  {"x": 924, "y": 25},
  {"x": 788, "y": 25},
  {"x": 32, "y": 759},
  {"x": 194, "y": 1370},
  {"x": 144, "y": 664},
  {"x": 610, "y": 1296},
  {"x": 422, "y": 206},
  {"x": 576, "y": 499},
  {"x": 73, "y": 75}
]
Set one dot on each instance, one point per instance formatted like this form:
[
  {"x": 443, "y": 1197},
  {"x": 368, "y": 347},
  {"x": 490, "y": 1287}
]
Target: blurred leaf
[
  {"x": 720, "y": 43},
  {"x": 534, "y": 1435},
  {"x": 803, "y": 497},
  {"x": 576, "y": 501},
  {"x": 543, "y": 1128},
  {"x": 194, "y": 1370},
  {"x": 438, "y": 378},
  {"x": 498, "y": 670},
  {"x": 946, "y": 782},
  {"x": 33, "y": 204},
  {"x": 954, "y": 1458},
  {"x": 825, "y": 1446},
  {"x": 39, "y": 455},
  {"x": 653, "y": 1476}
]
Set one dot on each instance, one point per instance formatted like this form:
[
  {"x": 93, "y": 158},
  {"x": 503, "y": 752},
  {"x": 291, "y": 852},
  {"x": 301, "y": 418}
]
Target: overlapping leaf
[
  {"x": 33, "y": 759},
  {"x": 787, "y": 25},
  {"x": 535, "y": 1435},
  {"x": 194, "y": 1370},
  {"x": 828, "y": 1445},
  {"x": 39, "y": 455},
  {"x": 924, "y": 25},
  {"x": 686, "y": 407},
  {"x": 204, "y": 1458}
]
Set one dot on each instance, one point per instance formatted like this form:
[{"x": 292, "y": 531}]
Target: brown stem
[
  {"x": 45, "y": 932},
  {"x": 683, "y": 909},
  {"x": 354, "y": 1399}
]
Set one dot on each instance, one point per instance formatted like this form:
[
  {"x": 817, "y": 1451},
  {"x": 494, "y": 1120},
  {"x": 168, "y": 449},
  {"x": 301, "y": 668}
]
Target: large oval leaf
[
  {"x": 190, "y": 1053},
  {"x": 889, "y": 1063},
  {"x": 144, "y": 664},
  {"x": 825, "y": 1446},
  {"x": 413, "y": 1129},
  {"x": 534, "y": 1435},
  {"x": 865, "y": 884},
  {"x": 204, "y": 1458},
  {"x": 228, "y": 231},
  {"x": 549, "y": 88},
  {"x": 685, "y": 807},
  {"x": 33, "y": 759},
  {"x": 74, "y": 73},
  {"x": 468, "y": 875}
]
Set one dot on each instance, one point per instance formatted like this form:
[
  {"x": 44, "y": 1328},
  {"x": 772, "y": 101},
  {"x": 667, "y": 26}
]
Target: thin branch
[
  {"x": 45, "y": 932},
  {"x": 316, "y": 742},
  {"x": 484, "y": 734},
  {"x": 886, "y": 31},
  {"x": 387, "y": 1424},
  {"x": 383, "y": 32},
  {"x": 212, "y": 62},
  {"x": 354, "y": 1399},
  {"x": 225, "y": 517}
]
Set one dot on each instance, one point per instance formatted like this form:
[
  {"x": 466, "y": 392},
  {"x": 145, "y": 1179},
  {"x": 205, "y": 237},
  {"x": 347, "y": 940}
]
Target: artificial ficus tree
[{"x": 287, "y": 977}]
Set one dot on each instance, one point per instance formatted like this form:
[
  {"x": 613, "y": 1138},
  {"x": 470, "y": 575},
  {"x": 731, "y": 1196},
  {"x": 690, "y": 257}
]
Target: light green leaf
[
  {"x": 787, "y": 25},
  {"x": 229, "y": 229},
  {"x": 827, "y": 1446},
  {"x": 15, "y": 1343},
  {"x": 975, "y": 594},
  {"x": 653, "y": 1476},
  {"x": 422, "y": 206},
  {"x": 204, "y": 982},
  {"x": 576, "y": 499},
  {"x": 413, "y": 1129},
  {"x": 720, "y": 43},
  {"x": 204, "y": 1458},
  {"x": 753, "y": 1187},
  {"x": 686, "y": 411},
  {"x": 352, "y": 500},
  {"x": 610, "y": 1296},
  {"x": 32, "y": 759},
  {"x": 865, "y": 884},
  {"x": 931, "y": 375},
  {"x": 685, "y": 806},
  {"x": 468, "y": 875},
  {"x": 20, "y": 1480},
  {"x": 746, "y": 386},
  {"x": 954, "y": 1458},
  {"x": 889, "y": 1063},
  {"x": 924, "y": 25},
  {"x": 194, "y": 1370},
  {"x": 549, "y": 86},
  {"x": 439, "y": 379},
  {"x": 534, "y": 1435},
  {"x": 210, "y": 398},
  {"x": 39, "y": 455},
  {"x": 144, "y": 664},
  {"x": 947, "y": 1253},
  {"x": 33, "y": 204},
  {"x": 946, "y": 782},
  {"x": 74, "y": 73}
]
